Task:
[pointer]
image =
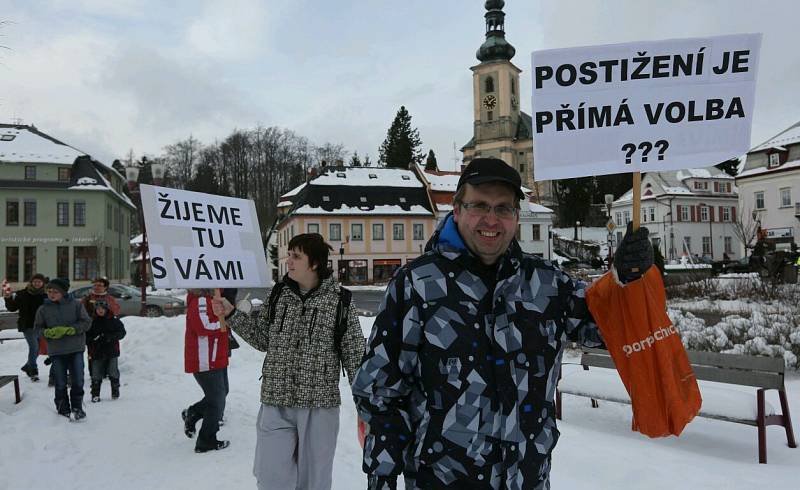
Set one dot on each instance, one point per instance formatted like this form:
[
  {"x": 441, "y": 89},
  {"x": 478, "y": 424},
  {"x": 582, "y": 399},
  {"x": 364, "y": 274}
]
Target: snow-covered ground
[{"x": 137, "y": 442}]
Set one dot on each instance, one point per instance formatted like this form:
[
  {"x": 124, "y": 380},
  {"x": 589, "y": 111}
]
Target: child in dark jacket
[{"x": 102, "y": 340}]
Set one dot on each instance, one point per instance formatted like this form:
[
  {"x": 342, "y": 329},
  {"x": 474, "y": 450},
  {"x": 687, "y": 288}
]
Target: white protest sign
[
  {"x": 199, "y": 240},
  {"x": 643, "y": 106}
]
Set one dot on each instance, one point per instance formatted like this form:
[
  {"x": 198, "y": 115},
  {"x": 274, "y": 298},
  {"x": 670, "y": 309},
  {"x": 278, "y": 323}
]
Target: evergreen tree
[
  {"x": 402, "y": 143},
  {"x": 367, "y": 161},
  {"x": 355, "y": 161},
  {"x": 574, "y": 198},
  {"x": 730, "y": 167},
  {"x": 205, "y": 180},
  {"x": 430, "y": 162}
]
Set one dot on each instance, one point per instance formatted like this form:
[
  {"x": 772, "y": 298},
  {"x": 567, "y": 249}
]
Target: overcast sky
[{"x": 110, "y": 75}]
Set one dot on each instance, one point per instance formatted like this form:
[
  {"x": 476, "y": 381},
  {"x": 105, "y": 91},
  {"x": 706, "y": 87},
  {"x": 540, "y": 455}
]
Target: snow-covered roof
[
  {"x": 442, "y": 183},
  {"x": 24, "y": 144},
  {"x": 294, "y": 191},
  {"x": 137, "y": 239},
  {"x": 676, "y": 182},
  {"x": 789, "y": 136},
  {"x": 376, "y": 210},
  {"x": 285, "y": 203},
  {"x": 538, "y": 208},
  {"x": 764, "y": 170},
  {"x": 367, "y": 176},
  {"x": 702, "y": 173}
]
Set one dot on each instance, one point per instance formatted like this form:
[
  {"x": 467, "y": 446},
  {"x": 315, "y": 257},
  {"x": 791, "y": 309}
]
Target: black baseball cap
[{"x": 484, "y": 170}]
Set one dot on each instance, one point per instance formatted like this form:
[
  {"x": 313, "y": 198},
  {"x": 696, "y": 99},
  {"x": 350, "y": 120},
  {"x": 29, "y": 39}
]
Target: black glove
[{"x": 634, "y": 255}]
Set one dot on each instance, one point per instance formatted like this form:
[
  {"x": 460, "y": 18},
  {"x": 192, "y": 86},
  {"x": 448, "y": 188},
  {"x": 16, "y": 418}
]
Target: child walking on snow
[{"x": 103, "y": 343}]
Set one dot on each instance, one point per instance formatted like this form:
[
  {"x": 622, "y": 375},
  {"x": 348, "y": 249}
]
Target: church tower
[{"x": 500, "y": 128}]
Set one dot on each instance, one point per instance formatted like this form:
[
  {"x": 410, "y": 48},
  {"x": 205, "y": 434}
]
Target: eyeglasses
[{"x": 482, "y": 209}]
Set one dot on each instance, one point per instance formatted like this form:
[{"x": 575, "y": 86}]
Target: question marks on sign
[
  {"x": 645, "y": 147},
  {"x": 631, "y": 148},
  {"x": 662, "y": 146}
]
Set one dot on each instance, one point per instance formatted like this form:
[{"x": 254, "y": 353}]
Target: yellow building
[{"x": 376, "y": 219}]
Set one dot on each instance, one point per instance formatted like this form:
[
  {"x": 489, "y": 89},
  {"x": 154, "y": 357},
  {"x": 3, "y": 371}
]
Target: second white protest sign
[{"x": 644, "y": 106}]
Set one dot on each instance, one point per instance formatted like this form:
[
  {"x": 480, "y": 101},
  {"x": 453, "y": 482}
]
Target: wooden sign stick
[
  {"x": 222, "y": 325},
  {"x": 637, "y": 204}
]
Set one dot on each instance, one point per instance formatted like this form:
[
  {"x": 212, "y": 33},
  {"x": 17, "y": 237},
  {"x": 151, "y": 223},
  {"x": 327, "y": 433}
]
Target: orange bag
[{"x": 647, "y": 352}]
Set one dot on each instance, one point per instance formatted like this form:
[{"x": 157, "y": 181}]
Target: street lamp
[
  {"x": 341, "y": 263},
  {"x": 132, "y": 170}
]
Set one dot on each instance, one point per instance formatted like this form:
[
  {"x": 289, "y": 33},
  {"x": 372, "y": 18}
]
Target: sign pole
[
  {"x": 218, "y": 296},
  {"x": 637, "y": 204}
]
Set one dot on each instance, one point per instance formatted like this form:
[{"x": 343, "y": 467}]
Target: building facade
[
  {"x": 64, "y": 214},
  {"x": 769, "y": 188},
  {"x": 500, "y": 128},
  {"x": 689, "y": 212},
  {"x": 376, "y": 219}
]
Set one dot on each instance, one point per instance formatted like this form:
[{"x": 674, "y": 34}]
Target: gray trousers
[{"x": 295, "y": 448}]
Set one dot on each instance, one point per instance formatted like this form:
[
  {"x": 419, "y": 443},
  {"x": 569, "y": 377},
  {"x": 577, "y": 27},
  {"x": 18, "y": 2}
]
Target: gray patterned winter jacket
[
  {"x": 301, "y": 368},
  {"x": 457, "y": 385}
]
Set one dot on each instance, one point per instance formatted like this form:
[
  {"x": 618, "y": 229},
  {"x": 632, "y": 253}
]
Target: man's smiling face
[{"x": 486, "y": 236}]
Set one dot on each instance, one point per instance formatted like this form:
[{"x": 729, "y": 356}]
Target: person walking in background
[
  {"x": 26, "y": 301},
  {"x": 100, "y": 292},
  {"x": 306, "y": 342},
  {"x": 206, "y": 358},
  {"x": 64, "y": 322},
  {"x": 102, "y": 341}
]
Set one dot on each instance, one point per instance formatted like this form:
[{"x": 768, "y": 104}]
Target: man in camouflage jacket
[{"x": 457, "y": 386}]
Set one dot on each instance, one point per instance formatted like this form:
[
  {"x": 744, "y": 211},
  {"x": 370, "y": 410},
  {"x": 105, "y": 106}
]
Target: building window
[
  {"x": 513, "y": 86},
  {"x": 774, "y": 160},
  {"x": 522, "y": 169},
  {"x": 12, "y": 213},
  {"x": 537, "y": 232},
  {"x": 703, "y": 213},
  {"x": 312, "y": 228},
  {"x": 652, "y": 214},
  {"x": 62, "y": 262},
  {"x": 418, "y": 231},
  {"x": 644, "y": 215},
  {"x": 29, "y": 262},
  {"x": 109, "y": 261},
  {"x": 85, "y": 263},
  {"x": 618, "y": 216},
  {"x": 117, "y": 218},
  {"x": 706, "y": 245},
  {"x": 30, "y": 172},
  {"x": 728, "y": 245},
  {"x": 687, "y": 241},
  {"x": 726, "y": 213},
  {"x": 786, "y": 197},
  {"x": 489, "y": 84},
  {"x": 518, "y": 234},
  {"x": 335, "y": 231},
  {"x": 30, "y": 213},
  {"x": 12, "y": 264},
  {"x": 79, "y": 218},
  {"x": 627, "y": 215},
  {"x": 62, "y": 214},
  {"x": 377, "y": 231},
  {"x": 109, "y": 219},
  {"x": 357, "y": 232},
  {"x": 398, "y": 231},
  {"x": 291, "y": 231},
  {"x": 63, "y": 174},
  {"x": 759, "y": 199},
  {"x": 490, "y": 115},
  {"x": 684, "y": 213}
]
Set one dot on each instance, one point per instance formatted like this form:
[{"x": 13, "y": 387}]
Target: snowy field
[{"x": 137, "y": 442}]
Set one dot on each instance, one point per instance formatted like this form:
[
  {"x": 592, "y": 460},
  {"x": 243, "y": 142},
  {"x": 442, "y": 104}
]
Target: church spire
[{"x": 495, "y": 47}]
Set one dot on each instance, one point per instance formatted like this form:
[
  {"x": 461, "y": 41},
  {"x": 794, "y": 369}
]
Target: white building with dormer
[
  {"x": 688, "y": 212},
  {"x": 769, "y": 187}
]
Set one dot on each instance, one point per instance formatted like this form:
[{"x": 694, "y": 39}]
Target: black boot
[
  {"x": 189, "y": 423},
  {"x": 96, "y": 391},
  {"x": 215, "y": 446},
  {"x": 114, "y": 388},
  {"x": 77, "y": 412},
  {"x": 62, "y": 403}
]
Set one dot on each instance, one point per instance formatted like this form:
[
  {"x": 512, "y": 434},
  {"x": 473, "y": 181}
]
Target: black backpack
[{"x": 342, "y": 307}]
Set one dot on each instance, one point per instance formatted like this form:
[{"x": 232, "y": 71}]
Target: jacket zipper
[
  {"x": 283, "y": 317},
  {"x": 311, "y": 327}
]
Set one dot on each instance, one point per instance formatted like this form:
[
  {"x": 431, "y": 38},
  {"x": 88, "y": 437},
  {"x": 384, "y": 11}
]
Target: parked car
[{"x": 130, "y": 301}]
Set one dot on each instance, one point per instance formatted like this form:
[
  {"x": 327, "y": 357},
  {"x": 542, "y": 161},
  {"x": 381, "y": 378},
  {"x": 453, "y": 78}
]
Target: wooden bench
[
  {"x": 712, "y": 370},
  {"x": 4, "y": 380}
]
